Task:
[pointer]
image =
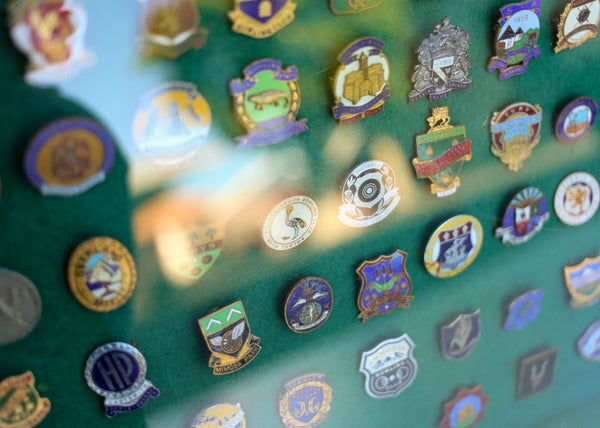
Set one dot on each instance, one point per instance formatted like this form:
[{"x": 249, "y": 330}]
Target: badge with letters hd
[
  {"x": 576, "y": 199},
  {"x": 306, "y": 401},
  {"x": 589, "y": 344},
  {"x": 308, "y": 304},
  {"x": 227, "y": 334},
  {"x": 361, "y": 83},
  {"x": 389, "y": 368},
  {"x": 525, "y": 216},
  {"x": 583, "y": 282},
  {"x": 266, "y": 102},
  {"x": 261, "y": 18},
  {"x": 578, "y": 23},
  {"x": 441, "y": 153},
  {"x": 290, "y": 223},
  {"x": 352, "y": 6},
  {"x": 515, "y": 132},
  {"x": 20, "y": 404},
  {"x": 576, "y": 120},
  {"x": 385, "y": 285},
  {"x": 523, "y": 310},
  {"x": 443, "y": 63},
  {"x": 516, "y": 41},
  {"x": 465, "y": 409},
  {"x": 536, "y": 372},
  {"x": 460, "y": 336},
  {"x": 221, "y": 416}
]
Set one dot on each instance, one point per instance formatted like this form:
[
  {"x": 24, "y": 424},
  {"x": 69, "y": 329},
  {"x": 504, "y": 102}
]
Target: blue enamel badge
[
  {"x": 524, "y": 217},
  {"x": 308, "y": 304},
  {"x": 460, "y": 336},
  {"x": 306, "y": 401},
  {"x": 589, "y": 344},
  {"x": 523, "y": 310}
]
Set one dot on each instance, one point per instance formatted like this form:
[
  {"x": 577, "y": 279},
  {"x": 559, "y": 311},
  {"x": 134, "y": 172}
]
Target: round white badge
[
  {"x": 576, "y": 198},
  {"x": 290, "y": 223}
]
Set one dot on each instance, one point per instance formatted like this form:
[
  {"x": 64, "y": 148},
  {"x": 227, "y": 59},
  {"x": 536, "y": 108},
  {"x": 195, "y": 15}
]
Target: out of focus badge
[
  {"x": 523, "y": 310},
  {"x": 306, "y": 401},
  {"x": 524, "y": 217},
  {"x": 352, "y": 6},
  {"x": 308, "y": 304},
  {"x": 20, "y": 404},
  {"x": 466, "y": 409},
  {"x": 578, "y": 23},
  {"x": 589, "y": 343},
  {"x": 576, "y": 199},
  {"x": 536, "y": 372},
  {"x": 261, "y": 18},
  {"x": 221, "y": 416},
  {"x": 583, "y": 282},
  {"x": 576, "y": 119},
  {"x": 290, "y": 223},
  {"x": 460, "y": 336}
]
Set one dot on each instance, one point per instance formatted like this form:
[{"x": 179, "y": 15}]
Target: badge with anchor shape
[
  {"x": 290, "y": 223},
  {"x": 352, "y": 6},
  {"x": 536, "y": 372},
  {"x": 578, "y": 23},
  {"x": 460, "y": 336}
]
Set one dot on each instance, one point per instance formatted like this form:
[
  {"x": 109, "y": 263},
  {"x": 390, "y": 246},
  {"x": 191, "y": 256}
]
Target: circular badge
[
  {"x": 20, "y": 306},
  {"x": 576, "y": 120},
  {"x": 290, "y": 223},
  {"x": 221, "y": 416},
  {"x": 172, "y": 123},
  {"x": 524, "y": 217},
  {"x": 369, "y": 194},
  {"x": 69, "y": 156},
  {"x": 576, "y": 198},
  {"x": 453, "y": 246},
  {"x": 308, "y": 304},
  {"x": 101, "y": 274}
]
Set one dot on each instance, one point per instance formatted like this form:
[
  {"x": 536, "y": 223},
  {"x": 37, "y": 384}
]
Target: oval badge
[
  {"x": 576, "y": 120},
  {"x": 576, "y": 199},
  {"x": 308, "y": 304}
]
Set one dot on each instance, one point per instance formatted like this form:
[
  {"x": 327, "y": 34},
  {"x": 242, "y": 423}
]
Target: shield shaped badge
[
  {"x": 460, "y": 336},
  {"x": 589, "y": 343},
  {"x": 306, "y": 401},
  {"x": 583, "y": 282}
]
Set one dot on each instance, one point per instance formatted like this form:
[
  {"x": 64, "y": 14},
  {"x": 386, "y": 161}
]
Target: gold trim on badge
[{"x": 20, "y": 403}]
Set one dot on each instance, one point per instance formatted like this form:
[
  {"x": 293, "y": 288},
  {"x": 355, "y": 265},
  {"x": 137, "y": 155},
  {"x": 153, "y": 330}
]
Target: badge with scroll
[
  {"x": 524, "y": 217},
  {"x": 261, "y": 18},
  {"x": 578, "y": 23},
  {"x": 306, "y": 401}
]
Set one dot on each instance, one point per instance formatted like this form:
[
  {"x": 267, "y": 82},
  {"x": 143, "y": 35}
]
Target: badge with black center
[
  {"x": 221, "y": 415},
  {"x": 578, "y": 23},
  {"x": 589, "y": 344},
  {"x": 576, "y": 120},
  {"x": 524, "y": 217},
  {"x": 290, "y": 223},
  {"x": 536, "y": 372},
  {"x": 341, "y": 7},
  {"x": 306, "y": 401},
  {"x": 389, "y": 368},
  {"x": 261, "y": 18},
  {"x": 460, "y": 336},
  {"x": 466, "y": 409},
  {"x": 20, "y": 403},
  {"x": 576, "y": 199},
  {"x": 583, "y": 282},
  {"x": 523, "y": 310},
  {"x": 117, "y": 372},
  {"x": 308, "y": 304}
]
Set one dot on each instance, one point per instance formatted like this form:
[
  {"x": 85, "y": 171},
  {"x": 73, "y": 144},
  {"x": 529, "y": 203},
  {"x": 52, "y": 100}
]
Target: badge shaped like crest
[
  {"x": 361, "y": 84},
  {"x": 515, "y": 132},
  {"x": 266, "y": 102},
  {"x": 516, "y": 41},
  {"x": 576, "y": 120},
  {"x": 306, "y": 401},
  {"x": 308, "y": 304},
  {"x": 583, "y": 282},
  {"x": 460, "y": 336},
  {"x": 227, "y": 334},
  {"x": 578, "y": 23},
  {"x": 389, "y": 368},
  {"x": 221, "y": 415},
  {"x": 524, "y": 217},
  {"x": 443, "y": 63},
  {"x": 261, "y": 18},
  {"x": 441, "y": 153},
  {"x": 589, "y": 344},
  {"x": 20, "y": 403},
  {"x": 352, "y": 6},
  {"x": 577, "y": 198},
  {"x": 466, "y": 409},
  {"x": 523, "y": 310},
  {"x": 536, "y": 372}
]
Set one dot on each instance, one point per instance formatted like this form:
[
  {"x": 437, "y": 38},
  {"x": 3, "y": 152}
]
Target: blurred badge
[
  {"x": 385, "y": 285},
  {"x": 589, "y": 343},
  {"x": 515, "y": 132},
  {"x": 290, "y": 223},
  {"x": 453, "y": 246},
  {"x": 306, "y": 401},
  {"x": 442, "y": 152},
  {"x": 308, "y": 304},
  {"x": 266, "y": 102},
  {"x": 583, "y": 282},
  {"x": 69, "y": 156},
  {"x": 516, "y": 40},
  {"x": 172, "y": 123},
  {"x": 576, "y": 199},
  {"x": 369, "y": 194},
  {"x": 352, "y": 6},
  {"x": 227, "y": 334},
  {"x": 576, "y": 119},
  {"x": 261, "y": 18},
  {"x": 578, "y": 23},
  {"x": 523, "y": 310},
  {"x": 524, "y": 217},
  {"x": 171, "y": 27},
  {"x": 536, "y": 372},
  {"x": 20, "y": 306},
  {"x": 389, "y": 368},
  {"x": 221, "y": 416},
  {"x": 460, "y": 336},
  {"x": 361, "y": 83},
  {"x": 20, "y": 404},
  {"x": 443, "y": 63},
  {"x": 117, "y": 372},
  {"x": 467, "y": 408}
]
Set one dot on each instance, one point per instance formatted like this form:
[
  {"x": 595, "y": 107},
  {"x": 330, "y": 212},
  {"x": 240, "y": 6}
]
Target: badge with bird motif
[
  {"x": 308, "y": 304},
  {"x": 460, "y": 336},
  {"x": 290, "y": 223},
  {"x": 578, "y": 23},
  {"x": 536, "y": 372}
]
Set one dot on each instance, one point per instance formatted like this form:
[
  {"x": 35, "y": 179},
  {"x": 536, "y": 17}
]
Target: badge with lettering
[
  {"x": 576, "y": 199},
  {"x": 306, "y": 401},
  {"x": 465, "y": 409},
  {"x": 576, "y": 119},
  {"x": 385, "y": 285},
  {"x": 361, "y": 83},
  {"x": 117, "y": 372},
  {"x": 460, "y": 336},
  {"x": 578, "y": 23},
  {"x": 523, "y": 310},
  {"x": 261, "y": 18},
  {"x": 308, "y": 304},
  {"x": 290, "y": 223},
  {"x": 536, "y": 372},
  {"x": 583, "y": 282},
  {"x": 20, "y": 404},
  {"x": 389, "y": 368},
  {"x": 443, "y": 63},
  {"x": 227, "y": 334},
  {"x": 524, "y": 217},
  {"x": 589, "y": 343},
  {"x": 516, "y": 41},
  {"x": 441, "y": 153},
  {"x": 515, "y": 132},
  {"x": 221, "y": 415},
  {"x": 352, "y": 6}
]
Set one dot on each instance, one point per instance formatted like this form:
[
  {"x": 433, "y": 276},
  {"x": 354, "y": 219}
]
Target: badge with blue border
[
  {"x": 466, "y": 409},
  {"x": 306, "y": 401},
  {"x": 537, "y": 372},
  {"x": 589, "y": 344},
  {"x": 577, "y": 198},
  {"x": 221, "y": 416},
  {"x": 460, "y": 336},
  {"x": 583, "y": 282},
  {"x": 523, "y": 310},
  {"x": 524, "y": 217},
  {"x": 576, "y": 120},
  {"x": 20, "y": 403},
  {"x": 578, "y": 23},
  {"x": 341, "y": 7},
  {"x": 261, "y": 18},
  {"x": 308, "y": 304}
]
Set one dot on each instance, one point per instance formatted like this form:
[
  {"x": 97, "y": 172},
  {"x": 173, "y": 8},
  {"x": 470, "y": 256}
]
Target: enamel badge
[
  {"x": 290, "y": 223},
  {"x": 227, "y": 334},
  {"x": 266, "y": 102},
  {"x": 221, "y": 415},
  {"x": 515, "y": 132},
  {"x": 352, "y": 6},
  {"x": 516, "y": 41},
  {"x": 361, "y": 83},
  {"x": 306, "y": 401},
  {"x": 576, "y": 199},
  {"x": 261, "y": 18},
  {"x": 460, "y": 336},
  {"x": 583, "y": 282},
  {"x": 441, "y": 153},
  {"x": 385, "y": 285},
  {"x": 389, "y": 368},
  {"x": 308, "y": 304},
  {"x": 536, "y": 372},
  {"x": 576, "y": 120},
  {"x": 578, "y": 23},
  {"x": 589, "y": 343},
  {"x": 524, "y": 217},
  {"x": 443, "y": 63},
  {"x": 523, "y": 310},
  {"x": 466, "y": 409},
  {"x": 20, "y": 404}
]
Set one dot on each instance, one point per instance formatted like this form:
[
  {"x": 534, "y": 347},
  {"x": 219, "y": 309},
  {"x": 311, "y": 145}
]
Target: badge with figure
[
  {"x": 536, "y": 372},
  {"x": 524, "y": 217},
  {"x": 290, "y": 223},
  {"x": 443, "y": 63},
  {"x": 20, "y": 307},
  {"x": 227, "y": 334},
  {"x": 306, "y": 401},
  {"x": 385, "y": 285},
  {"x": 308, "y": 304},
  {"x": 576, "y": 120},
  {"x": 460, "y": 336},
  {"x": 466, "y": 409},
  {"x": 261, "y": 18},
  {"x": 389, "y": 368},
  {"x": 441, "y": 153},
  {"x": 576, "y": 199},
  {"x": 221, "y": 415},
  {"x": 523, "y": 310},
  {"x": 352, "y": 6},
  {"x": 361, "y": 83},
  {"x": 583, "y": 282},
  {"x": 20, "y": 404},
  {"x": 578, "y": 23},
  {"x": 589, "y": 344},
  {"x": 516, "y": 41},
  {"x": 515, "y": 132}
]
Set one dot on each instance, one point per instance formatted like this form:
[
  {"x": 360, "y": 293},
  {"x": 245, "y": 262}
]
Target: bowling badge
[
  {"x": 583, "y": 282},
  {"x": 20, "y": 403},
  {"x": 308, "y": 304},
  {"x": 578, "y": 23},
  {"x": 460, "y": 336},
  {"x": 523, "y": 310},
  {"x": 306, "y": 401},
  {"x": 576, "y": 119},
  {"x": 576, "y": 199},
  {"x": 536, "y": 372},
  {"x": 465, "y": 409},
  {"x": 221, "y": 416},
  {"x": 261, "y": 18},
  {"x": 589, "y": 344},
  {"x": 352, "y": 6},
  {"x": 290, "y": 223},
  {"x": 524, "y": 217}
]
